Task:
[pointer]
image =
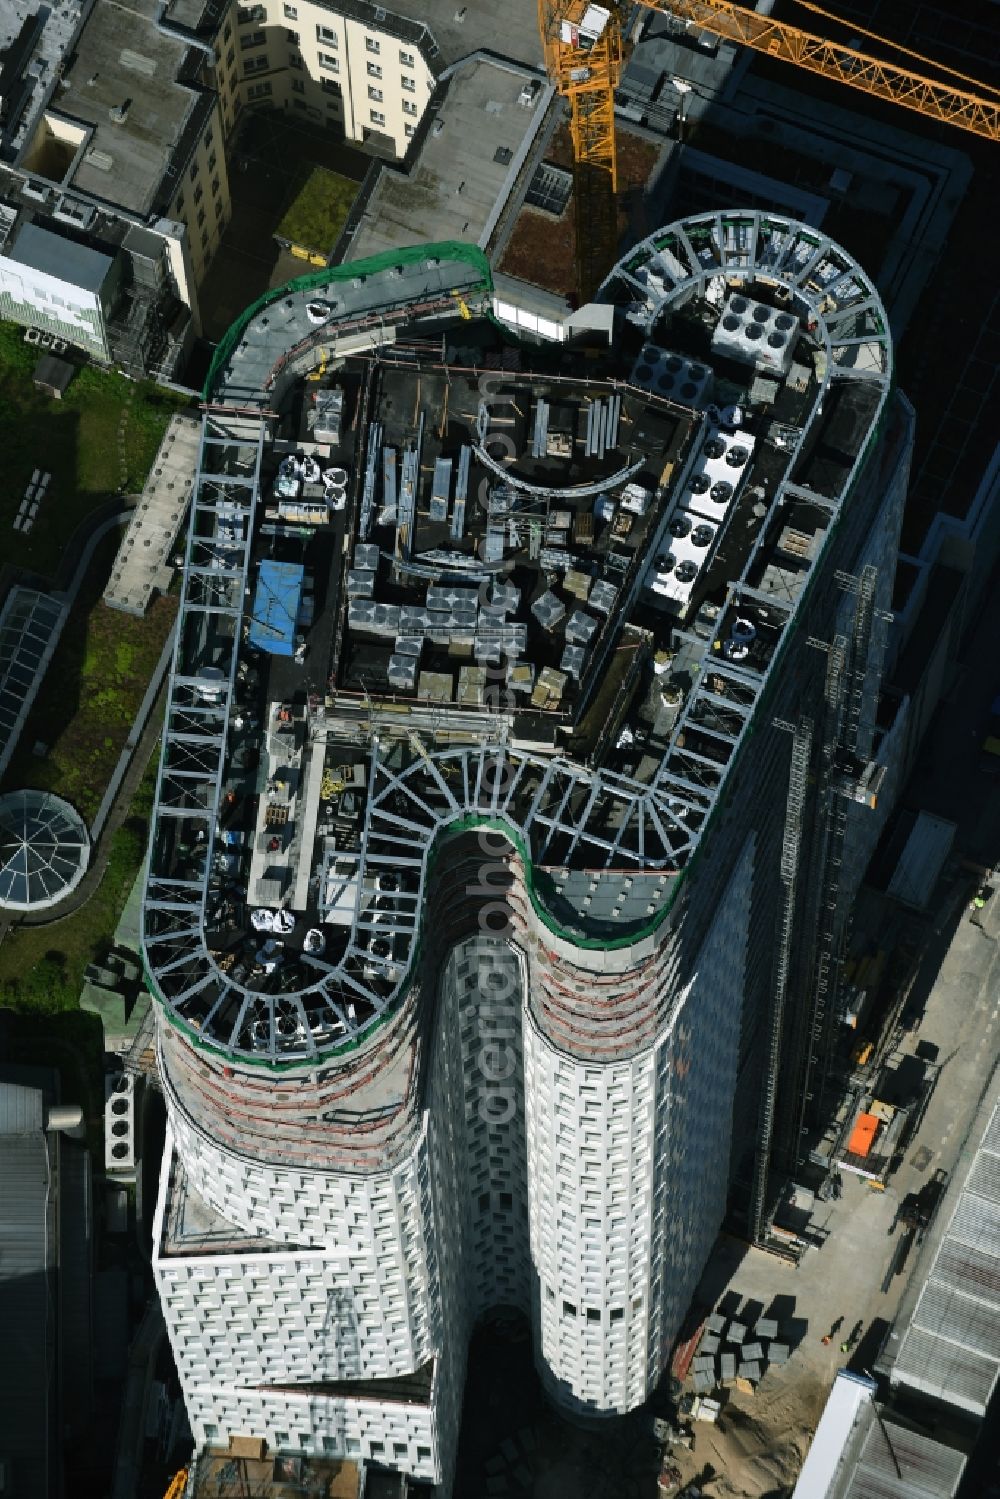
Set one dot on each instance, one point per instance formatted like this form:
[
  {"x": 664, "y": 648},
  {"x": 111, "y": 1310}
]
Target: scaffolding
[{"x": 829, "y": 770}]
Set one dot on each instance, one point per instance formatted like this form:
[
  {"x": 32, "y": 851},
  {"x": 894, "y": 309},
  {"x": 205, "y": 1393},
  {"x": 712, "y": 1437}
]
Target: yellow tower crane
[
  {"x": 583, "y": 50},
  {"x": 583, "y": 55}
]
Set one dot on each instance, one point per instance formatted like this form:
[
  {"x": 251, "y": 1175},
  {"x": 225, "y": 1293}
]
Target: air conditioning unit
[
  {"x": 720, "y": 468},
  {"x": 754, "y": 333},
  {"x": 674, "y": 376},
  {"x": 119, "y": 1128},
  {"x": 71, "y": 211}
]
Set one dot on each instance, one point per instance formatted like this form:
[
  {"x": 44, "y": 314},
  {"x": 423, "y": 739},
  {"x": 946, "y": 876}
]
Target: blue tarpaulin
[{"x": 276, "y": 607}]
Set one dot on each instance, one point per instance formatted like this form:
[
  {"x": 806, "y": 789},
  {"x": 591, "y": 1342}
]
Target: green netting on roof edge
[
  {"x": 469, "y": 823},
  {"x": 330, "y": 275}
]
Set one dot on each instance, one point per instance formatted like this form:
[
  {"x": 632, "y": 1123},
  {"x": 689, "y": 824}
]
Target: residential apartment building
[
  {"x": 114, "y": 137},
  {"x": 490, "y": 874}
]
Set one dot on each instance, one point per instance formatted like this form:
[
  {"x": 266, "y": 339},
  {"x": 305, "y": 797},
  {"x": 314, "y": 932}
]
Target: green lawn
[
  {"x": 76, "y": 440},
  {"x": 318, "y": 210},
  {"x": 91, "y": 692},
  {"x": 41, "y": 968}
]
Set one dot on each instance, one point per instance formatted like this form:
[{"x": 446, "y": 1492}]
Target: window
[
  {"x": 204, "y": 239},
  {"x": 376, "y": 117},
  {"x": 375, "y": 93},
  {"x": 409, "y": 130},
  {"x": 228, "y": 32},
  {"x": 569, "y": 1310},
  {"x": 372, "y": 45},
  {"x": 220, "y": 212},
  {"x": 330, "y": 86},
  {"x": 231, "y": 56},
  {"x": 179, "y": 206},
  {"x": 252, "y": 39},
  {"x": 298, "y": 87},
  {"x": 374, "y": 71},
  {"x": 290, "y": 13},
  {"x": 198, "y": 193},
  {"x": 617, "y": 1313},
  {"x": 206, "y": 139},
  {"x": 327, "y": 35},
  {"x": 329, "y": 63},
  {"x": 292, "y": 37},
  {"x": 299, "y": 103},
  {"x": 194, "y": 171},
  {"x": 248, "y": 14},
  {"x": 201, "y": 217},
  {"x": 409, "y": 108},
  {"x": 409, "y": 84},
  {"x": 256, "y": 64},
  {"x": 295, "y": 60},
  {"x": 215, "y": 187},
  {"x": 406, "y": 59},
  {"x": 213, "y": 158},
  {"x": 259, "y": 90}
]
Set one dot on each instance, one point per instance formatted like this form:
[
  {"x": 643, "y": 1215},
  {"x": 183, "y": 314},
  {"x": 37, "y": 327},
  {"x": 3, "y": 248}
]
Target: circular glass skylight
[{"x": 44, "y": 849}]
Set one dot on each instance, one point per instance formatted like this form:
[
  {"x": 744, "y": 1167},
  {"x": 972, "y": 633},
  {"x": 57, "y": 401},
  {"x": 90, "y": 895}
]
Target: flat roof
[
  {"x": 465, "y": 165},
  {"x": 950, "y": 1348},
  {"x": 508, "y": 30},
  {"x": 125, "y": 161},
  {"x": 57, "y": 255}
]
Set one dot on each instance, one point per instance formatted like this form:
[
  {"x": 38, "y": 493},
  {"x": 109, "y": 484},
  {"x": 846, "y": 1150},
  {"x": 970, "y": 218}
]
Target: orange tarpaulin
[{"x": 863, "y": 1134}]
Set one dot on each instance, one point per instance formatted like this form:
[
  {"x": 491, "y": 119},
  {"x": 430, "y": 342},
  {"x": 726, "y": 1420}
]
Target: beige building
[{"x": 118, "y": 142}]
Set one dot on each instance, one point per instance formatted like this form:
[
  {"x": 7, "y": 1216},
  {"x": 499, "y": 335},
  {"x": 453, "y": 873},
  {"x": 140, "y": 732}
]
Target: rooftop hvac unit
[
  {"x": 72, "y": 211},
  {"x": 602, "y": 596},
  {"x": 385, "y": 620},
  {"x": 572, "y": 661},
  {"x": 412, "y": 621},
  {"x": 674, "y": 376},
  {"x": 361, "y": 615},
  {"x": 402, "y": 672},
  {"x": 720, "y": 468},
  {"x": 366, "y": 557},
  {"x": 119, "y": 1128},
  {"x": 754, "y": 333},
  {"x": 691, "y": 540}
]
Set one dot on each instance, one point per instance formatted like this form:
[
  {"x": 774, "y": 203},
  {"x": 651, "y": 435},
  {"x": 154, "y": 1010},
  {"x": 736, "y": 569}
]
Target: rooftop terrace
[{"x": 508, "y": 593}]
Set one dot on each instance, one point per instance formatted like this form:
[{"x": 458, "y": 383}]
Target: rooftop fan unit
[
  {"x": 672, "y": 375},
  {"x": 756, "y": 333}
]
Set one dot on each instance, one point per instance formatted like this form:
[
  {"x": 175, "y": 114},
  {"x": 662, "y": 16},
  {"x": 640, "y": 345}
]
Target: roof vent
[{"x": 119, "y": 114}]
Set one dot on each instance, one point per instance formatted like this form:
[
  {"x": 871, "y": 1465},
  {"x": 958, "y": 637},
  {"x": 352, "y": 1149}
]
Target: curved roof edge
[{"x": 330, "y": 276}]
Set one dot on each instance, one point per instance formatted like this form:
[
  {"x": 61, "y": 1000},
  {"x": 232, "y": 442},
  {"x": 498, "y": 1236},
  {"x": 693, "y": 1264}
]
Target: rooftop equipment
[{"x": 276, "y": 607}]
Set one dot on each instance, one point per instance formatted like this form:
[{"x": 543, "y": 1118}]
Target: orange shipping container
[{"x": 863, "y": 1135}]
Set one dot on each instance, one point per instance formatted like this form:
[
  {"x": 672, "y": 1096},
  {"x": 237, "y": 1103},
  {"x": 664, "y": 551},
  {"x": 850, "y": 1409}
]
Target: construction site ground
[{"x": 954, "y": 1006}]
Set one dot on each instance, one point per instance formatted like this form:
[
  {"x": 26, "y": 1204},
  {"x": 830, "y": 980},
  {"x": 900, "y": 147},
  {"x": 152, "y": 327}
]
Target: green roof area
[{"x": 320, "y": 204}]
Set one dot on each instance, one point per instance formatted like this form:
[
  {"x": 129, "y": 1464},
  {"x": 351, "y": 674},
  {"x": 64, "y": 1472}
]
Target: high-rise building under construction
[{"x": 520, "y": 765}]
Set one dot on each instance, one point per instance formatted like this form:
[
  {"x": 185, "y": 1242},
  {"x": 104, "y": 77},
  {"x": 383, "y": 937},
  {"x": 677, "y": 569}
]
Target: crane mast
[{"x": 583, "y": 53}]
